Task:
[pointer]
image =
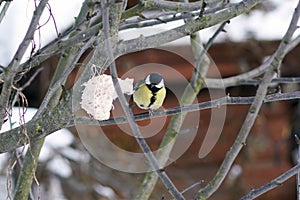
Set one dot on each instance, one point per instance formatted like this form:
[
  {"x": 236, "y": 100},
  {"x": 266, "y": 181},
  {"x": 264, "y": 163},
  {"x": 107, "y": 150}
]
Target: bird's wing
[{"x": 137, "y": 85}]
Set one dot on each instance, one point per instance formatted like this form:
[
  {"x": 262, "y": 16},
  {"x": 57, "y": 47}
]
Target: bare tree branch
[
  {"x": 170, "y": 5},
  {"x": 138, "y": 136},
  {"x": 184, "y": 30},
  {"x": 240, "y": 141},
  {"x": 14, "y": 66},
  {"x": 217, "y": 83},
  {"x": 25, "y": 179},
  {"x": 227, "y": 100}
]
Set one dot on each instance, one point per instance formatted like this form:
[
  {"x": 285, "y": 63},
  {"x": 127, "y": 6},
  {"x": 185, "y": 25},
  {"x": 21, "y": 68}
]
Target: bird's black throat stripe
[
  {"x": 152, "y": 100},
  {"x": 154, "y": 91}
]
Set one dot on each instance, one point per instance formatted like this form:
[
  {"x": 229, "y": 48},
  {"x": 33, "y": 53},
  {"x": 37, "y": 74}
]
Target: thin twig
[
  {"x": 216, "y": 83},
  {"x": 28, "y": 83},
  {"x": 234, "y": 80},
  {"x": 31, "y": 78},
  {"x": 281, "y": 80},
  {"x": 272, "y": 184},
  {"x": 135, "y": 129},
  {"x": 169, "y": 5},
  {"x": 4, "y": 10},
  {"x": 192, "y": 186},
  {"x": 294, "y": 43}
]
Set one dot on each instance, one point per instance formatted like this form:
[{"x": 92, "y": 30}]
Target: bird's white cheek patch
[{"x": 160, "y": 84}]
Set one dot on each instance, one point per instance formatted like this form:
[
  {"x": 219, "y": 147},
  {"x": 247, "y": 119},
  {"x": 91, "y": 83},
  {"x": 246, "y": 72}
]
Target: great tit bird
[{"x": 149, "y": 94}]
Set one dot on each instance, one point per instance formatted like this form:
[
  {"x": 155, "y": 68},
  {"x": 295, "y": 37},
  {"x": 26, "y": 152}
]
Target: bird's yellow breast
[{"x": 143, "y": 95}]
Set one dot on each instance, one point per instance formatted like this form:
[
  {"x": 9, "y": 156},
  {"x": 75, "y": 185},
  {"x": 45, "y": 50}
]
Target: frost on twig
[{"x": 99, "y": 93}]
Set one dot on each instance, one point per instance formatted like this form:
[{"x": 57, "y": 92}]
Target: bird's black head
[{"x": 154, "y": 81}]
